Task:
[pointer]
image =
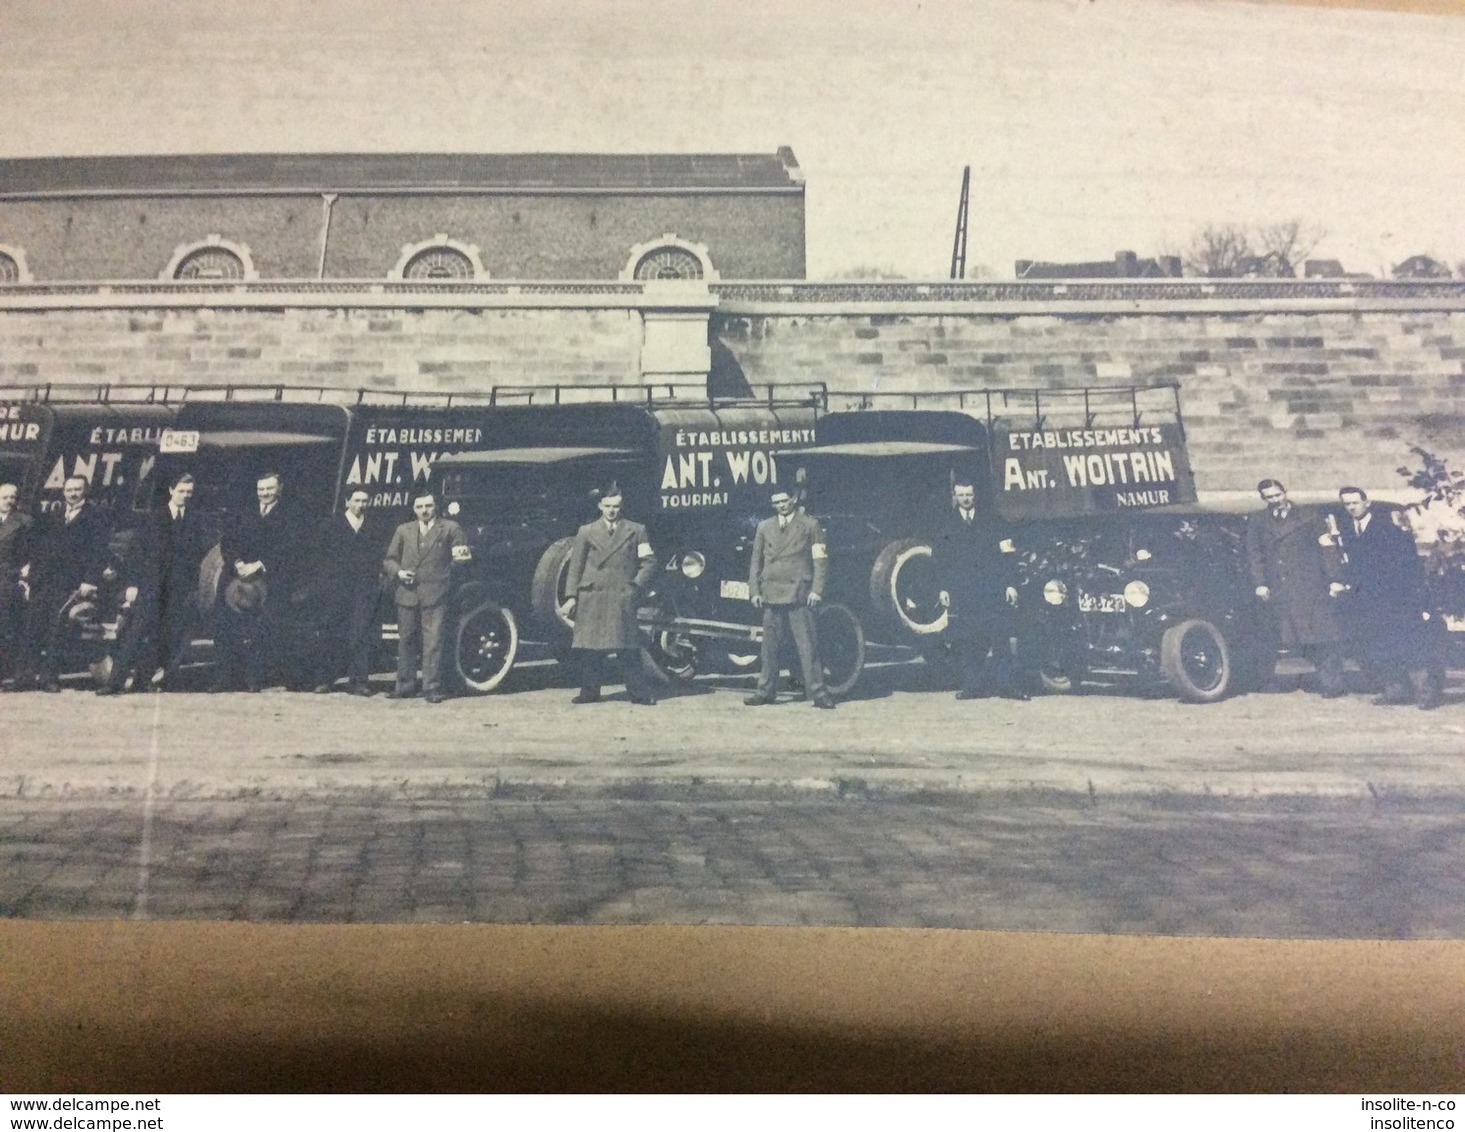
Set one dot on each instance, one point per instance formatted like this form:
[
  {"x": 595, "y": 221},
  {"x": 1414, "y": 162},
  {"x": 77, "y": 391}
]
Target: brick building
[{"x": 402, "y": 216}]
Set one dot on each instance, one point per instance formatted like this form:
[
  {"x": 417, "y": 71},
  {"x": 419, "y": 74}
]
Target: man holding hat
[
  {"x": 162, "y": 576},
  {"x": 259, "y": 550},
  {"x": 69, "y": 556},
  {"x": 611, "y": 564},
  {"x": 786, "y": 580},
  {"x": 420, "y": 560}
]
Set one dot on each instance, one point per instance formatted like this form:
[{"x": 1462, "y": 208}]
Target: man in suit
[
  {"x": 1292, "y": 565},
  {"x": 345, "y": 596},
  {"x": 610, "y": 566},
  {"x": 786, "y": 580},
  {"x": 68, "y": 559},
  {"x": 1383, "y": 588},
  {"x": 15, "y": 537},
  {"x": 162, "y": 593},
  {"x": 420, "y": 560},
  {"x": 976, "y": 568},
  {"x": 260, "y": 550}
]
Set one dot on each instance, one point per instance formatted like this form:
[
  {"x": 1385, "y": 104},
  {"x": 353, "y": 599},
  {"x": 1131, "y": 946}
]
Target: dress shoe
[
  {"x": 826, "y": 702},
  {"x": 49, "y": 685},
  {"x": 402, "y": 694},
  {"x": 359, "y": 690},
  {"x": 1333, "y": 693},
  {"x": 1391, "y": 699},
  {"x": 644, "y": 701},
  {"x": 109, "y": 690},
  {"x": 1016, "y": 694},
  {"x": 970, "y": 694},
  {"x": 434, "y": 697},
  {"x": 586, "y": 698},
  {"x": 758, "y": 700},
  {"x": 323, "y": 689}
]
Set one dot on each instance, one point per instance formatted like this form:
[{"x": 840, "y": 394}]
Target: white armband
[
  {"x": 643, "y": 550},
  {"x": 1006, "y": 546},
  {"x": 819, "y": 551}
]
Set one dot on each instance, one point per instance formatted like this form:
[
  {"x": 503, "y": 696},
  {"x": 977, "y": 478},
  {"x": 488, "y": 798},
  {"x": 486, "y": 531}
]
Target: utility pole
[{"x": 958, "y": 245}]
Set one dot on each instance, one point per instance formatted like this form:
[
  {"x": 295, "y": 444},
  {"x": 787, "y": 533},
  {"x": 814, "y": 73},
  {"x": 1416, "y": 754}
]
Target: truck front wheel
[
  {"x": 484, "y": 647},
  {"x": 1197, "y": 661}
]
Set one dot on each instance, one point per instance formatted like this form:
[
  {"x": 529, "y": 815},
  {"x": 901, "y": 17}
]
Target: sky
[{"x": 1090, "y": 125}]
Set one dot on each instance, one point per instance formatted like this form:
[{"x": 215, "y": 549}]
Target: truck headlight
[
  {"x": 1137, "y": 593},
  {"x": 694, "y": 564},
  {"x": 1055, "y": 592}
]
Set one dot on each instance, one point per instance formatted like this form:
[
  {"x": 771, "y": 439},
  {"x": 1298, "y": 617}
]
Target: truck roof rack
[
  {"x": 1036, "y": 408},
  {"x": 812, "y": 393}
]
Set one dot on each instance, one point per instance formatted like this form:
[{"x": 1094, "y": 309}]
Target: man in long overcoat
[
  {"x": 610, "y": 566},
  {"x": 420, "y": 559},
  {"x": 786, "y": 579},
  {"x": 69, "y": 557},
  {"x": 976, "y": 568},
  {"x": 1386, "y": 605},
  {"x": 15, "y": 535},
  {"x": 162, "y": 592},
  {"x": 345, "y": 587},
  {"x": 1293, "y": 564}
]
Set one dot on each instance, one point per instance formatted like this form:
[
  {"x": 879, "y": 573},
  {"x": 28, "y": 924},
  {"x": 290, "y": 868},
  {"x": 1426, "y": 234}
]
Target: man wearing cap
[
  {"x": 15, "y": 533},
  {"x": 162, "y": 589},
  {"x": 610, "y": 566},
  {"x": 68, "y": 559},
  {"x": 1292, "y": 563},
  {"x": 786, "y": 581},
  {"x": 420, "y": 560},
  {"x": 259, "y": 551}
]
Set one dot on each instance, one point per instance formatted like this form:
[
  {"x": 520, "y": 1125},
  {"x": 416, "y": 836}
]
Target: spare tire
[
  {"x": 547, "y": 589},
  {"x": 903, "y": 588}
]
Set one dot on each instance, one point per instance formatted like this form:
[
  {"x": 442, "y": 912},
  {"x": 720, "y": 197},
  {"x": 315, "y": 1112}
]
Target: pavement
[
  {"x": 1275, "y": 814},
  {"x": 896, "y": 739}
]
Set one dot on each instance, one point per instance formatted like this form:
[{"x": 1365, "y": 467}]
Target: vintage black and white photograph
[{"x": 960, "y": 465}]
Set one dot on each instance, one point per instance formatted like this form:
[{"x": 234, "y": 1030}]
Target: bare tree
[
  {"x": 1219, "y": 250},
  {"x": 1288, "y": 244}
]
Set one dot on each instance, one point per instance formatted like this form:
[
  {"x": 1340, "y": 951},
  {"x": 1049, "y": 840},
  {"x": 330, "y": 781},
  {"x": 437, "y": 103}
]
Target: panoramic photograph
[{"x": 990, "y": 466}]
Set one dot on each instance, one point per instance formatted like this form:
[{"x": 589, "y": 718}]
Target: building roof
[{"x": 396, "y": 172}]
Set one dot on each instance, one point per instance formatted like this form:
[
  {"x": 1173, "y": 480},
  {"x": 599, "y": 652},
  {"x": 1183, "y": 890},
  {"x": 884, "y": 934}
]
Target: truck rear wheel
[
  {"x": 1197, "y": 661},
  {"x": 484, "y": 647},
  {"x": 903, "y": 586},
  {"x": 841, "y": 647},
  {"x": 547, "y": 596}
]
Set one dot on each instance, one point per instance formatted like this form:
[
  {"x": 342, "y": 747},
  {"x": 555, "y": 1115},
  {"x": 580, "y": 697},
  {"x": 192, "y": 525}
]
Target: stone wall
[
  {"x": 1316, "y": 386},
  {"x": 388, "y": 349}
]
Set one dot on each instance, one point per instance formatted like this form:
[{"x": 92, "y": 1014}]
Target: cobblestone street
[
  {"x": 1266, "y": 815},
  {"x": 1290, "y": 867}
]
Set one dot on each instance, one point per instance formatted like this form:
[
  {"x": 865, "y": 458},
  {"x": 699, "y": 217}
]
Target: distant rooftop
[{"x": 396, "y": 172}]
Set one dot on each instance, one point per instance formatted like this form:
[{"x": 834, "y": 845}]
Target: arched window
[
  {"x": 439, "y": 258},
  {"x": 669, "y": 258},
  {"x": 213, "y": 258},
  {"x": 12, "y": 266}
]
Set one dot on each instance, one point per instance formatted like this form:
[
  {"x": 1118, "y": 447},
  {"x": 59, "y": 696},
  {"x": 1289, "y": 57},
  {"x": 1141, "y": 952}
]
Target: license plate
[
  {"x": 1101, "y": 603},
  {"x": 738, "y": 591}
]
